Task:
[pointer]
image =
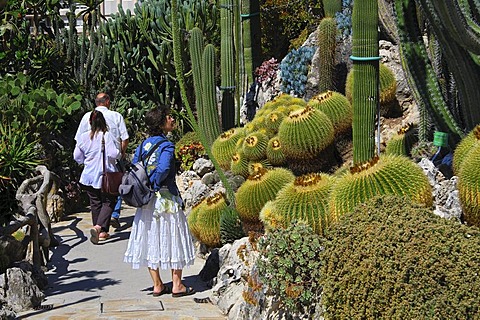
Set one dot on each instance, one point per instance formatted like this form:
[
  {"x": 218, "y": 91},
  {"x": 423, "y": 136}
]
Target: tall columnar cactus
[
  {"x": 181, "y": 81},
  {"x": 327, "y": 43},
  {"x": 421, "y": 75},
  {"x": 365, "y": 68},
  {"x": 251, "y": 37},
  {"x": 227, "y": 64},
  {"x": 196, "y": 47},
  {"x": 304, "y": 199},
  {"x": 211, "y": 125},
  {"x": 258, "y": 189},
  {"x": 389, "y": 175}
]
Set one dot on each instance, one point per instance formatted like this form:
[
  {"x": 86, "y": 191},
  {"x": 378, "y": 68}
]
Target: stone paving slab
[{"x": 93, "y": 282}]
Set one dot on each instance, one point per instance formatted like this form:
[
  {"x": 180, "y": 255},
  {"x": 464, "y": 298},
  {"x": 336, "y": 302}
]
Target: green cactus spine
[
  {"x": 337, "y": 107},
  {"x": 204, "y": 219},
  {"x": 230, "y": 226},
  {"x": 388, "y": 175},
  {"x": 327, "y": 43},
  {"x": 196, "y": 49},
  {"x": 331, "y": 7},
  {"x": 275, "y": 153},
  {"x": 255, "y": 146},
  {"x": 223, "y": 148},
  {"x": 239, "y": 164},
  {"x": 305, "y": 133},
  {"x": 251, "y": 37},
  {"x": 272, "y": 121},
  {"x": 255, "y": 166},
  {"x": 403, "y": 141},
  {"x": 304, "y": 199},
  {"x": 227, "y": 64},
  {"x": 258, "y": 189},
  {"x": 209, "y": 105},
  {"x": 469, "y": 187},
  {"x": 465, "y": 147},
  {"x": 365, "y": 87}
]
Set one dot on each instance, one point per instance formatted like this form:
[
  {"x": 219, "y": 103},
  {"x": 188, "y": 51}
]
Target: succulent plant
[
  {"x": 403, "y": 141},
  {"x": 304, "y": 199},
  {"x": 255, "y": 146},
  {"x": 273, "y": 119},
  {"x": 465, "y": 146},
  {"x": 388, "y": 175},
  {"x": 337, "y": 107},
  {"x": 294, "y": 69},
  {"x": 258, "y": 189},
  {"x": 223, "y": 148},
  {"x": 230, "y": 226},
  {"x": 255, "y": 166},
  {"x": 305, "y": 133},
  {"x": 239, "y": 164},
  {"x": 204, "y": 219},
  {"x": 275, "y": 153},
  {"x": 469, "y": 186}
]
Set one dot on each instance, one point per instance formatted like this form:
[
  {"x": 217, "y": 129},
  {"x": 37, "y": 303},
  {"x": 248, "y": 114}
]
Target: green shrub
[
  {"x": 289, "y": 265},
  {"x": 391, "y": 259},
  {"x": 188, "y": 149}
]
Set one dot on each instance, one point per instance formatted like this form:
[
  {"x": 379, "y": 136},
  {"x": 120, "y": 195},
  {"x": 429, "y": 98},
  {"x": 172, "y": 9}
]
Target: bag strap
[
  {"x": 150, "y": 152},
  {"x": 103, "y": 151}
]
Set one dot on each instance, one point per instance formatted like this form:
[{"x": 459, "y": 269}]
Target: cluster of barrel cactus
[{"x": 466, "y": 161}]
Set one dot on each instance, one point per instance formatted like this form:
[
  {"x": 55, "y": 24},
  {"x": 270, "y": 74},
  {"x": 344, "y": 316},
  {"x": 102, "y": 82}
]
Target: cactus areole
[{"x": 366, "y": 72}]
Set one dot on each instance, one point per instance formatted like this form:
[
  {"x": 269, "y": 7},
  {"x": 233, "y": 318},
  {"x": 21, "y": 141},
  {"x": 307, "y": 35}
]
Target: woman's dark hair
[
  {"x": 97, "y": 123},
  {"x": 156, "y": 119}
]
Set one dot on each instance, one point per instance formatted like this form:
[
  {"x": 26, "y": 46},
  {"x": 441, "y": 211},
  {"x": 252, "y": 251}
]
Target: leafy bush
[
  {"x": 188, "y": 149},
  {"x": 391, "y": 259},
  {"x": 289, "y": 265}
]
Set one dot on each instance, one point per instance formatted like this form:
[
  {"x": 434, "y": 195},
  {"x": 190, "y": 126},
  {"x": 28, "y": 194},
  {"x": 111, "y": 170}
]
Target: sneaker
[{"x": 115, "y": 223}]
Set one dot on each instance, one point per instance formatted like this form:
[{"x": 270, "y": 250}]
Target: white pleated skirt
[{"x": 160, "y": 237}]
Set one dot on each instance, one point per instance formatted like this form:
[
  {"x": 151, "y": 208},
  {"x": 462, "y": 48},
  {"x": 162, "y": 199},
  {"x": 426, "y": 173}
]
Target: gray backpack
[{"x": 136, "y": 189}]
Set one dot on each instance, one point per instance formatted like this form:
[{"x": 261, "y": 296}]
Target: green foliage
[
  {"x": 392, "y": 259},
  {"x": 388, "y": 175},
  {"x": 188, "y": 149},
  {"x": 289, "y": 266},
  {"x": 259, "y": 188},
  {"x": 230, "y": 226}
]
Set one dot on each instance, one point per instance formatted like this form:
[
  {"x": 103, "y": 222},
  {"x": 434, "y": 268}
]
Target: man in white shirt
[{"x": 117, "y": 128}]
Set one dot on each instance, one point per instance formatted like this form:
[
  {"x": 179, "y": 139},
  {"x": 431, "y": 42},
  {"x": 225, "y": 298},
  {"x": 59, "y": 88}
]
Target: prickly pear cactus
[
  {"x": 223, "y": 148},
  {"x": 258, "y": 189},
  {"x": 304, "y": 199},
  {"x": 388, "y": 175},
  {"x": 337, "y": 107}
]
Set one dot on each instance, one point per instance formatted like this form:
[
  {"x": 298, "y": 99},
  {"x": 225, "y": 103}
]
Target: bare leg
[
  {"x": 177, "y": 281},
  {"x": 157, "y": 281}
]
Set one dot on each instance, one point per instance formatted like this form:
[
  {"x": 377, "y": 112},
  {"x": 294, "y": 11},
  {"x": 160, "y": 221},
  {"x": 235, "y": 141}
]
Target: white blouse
[{"x": 89, "y": 153}]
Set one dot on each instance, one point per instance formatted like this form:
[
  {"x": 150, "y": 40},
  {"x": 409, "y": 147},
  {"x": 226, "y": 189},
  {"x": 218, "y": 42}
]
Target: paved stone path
[{"x": 93, "y": 282}]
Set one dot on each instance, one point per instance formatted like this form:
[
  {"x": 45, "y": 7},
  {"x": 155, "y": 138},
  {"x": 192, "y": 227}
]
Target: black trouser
[{"x": 102, "y": 206}]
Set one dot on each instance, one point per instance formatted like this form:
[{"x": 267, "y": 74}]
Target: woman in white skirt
[{"x": 160, "y": 237}]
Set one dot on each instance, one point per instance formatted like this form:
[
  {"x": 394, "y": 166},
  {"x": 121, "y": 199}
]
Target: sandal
[
  {"x": 94, "y": 235},
  {"x": 103, "y": 236},
  {"x": 188, "y": 291},
  {"x": 166, "y": 290}
]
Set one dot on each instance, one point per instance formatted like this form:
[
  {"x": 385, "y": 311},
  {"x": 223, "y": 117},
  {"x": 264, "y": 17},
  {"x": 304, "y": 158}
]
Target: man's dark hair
[{"x": 156, "y": 119}]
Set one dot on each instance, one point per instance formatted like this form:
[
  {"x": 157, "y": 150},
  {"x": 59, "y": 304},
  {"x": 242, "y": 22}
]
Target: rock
[
  {"x": 19, "y": 290},
  {"x": 202, "y": 166},
  {"x": 195, "y": 193}
]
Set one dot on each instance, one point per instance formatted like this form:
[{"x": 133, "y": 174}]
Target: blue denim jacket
[{"x": 162, "y": 162}]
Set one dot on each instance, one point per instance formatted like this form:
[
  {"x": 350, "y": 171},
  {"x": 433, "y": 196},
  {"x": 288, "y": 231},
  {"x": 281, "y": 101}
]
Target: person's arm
[
  {"x": 124, "y": 146},
  {"x": 78, "y": 155},
  {"x": 164, "y": 164},
  {"x": 84, "y": 126}
]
